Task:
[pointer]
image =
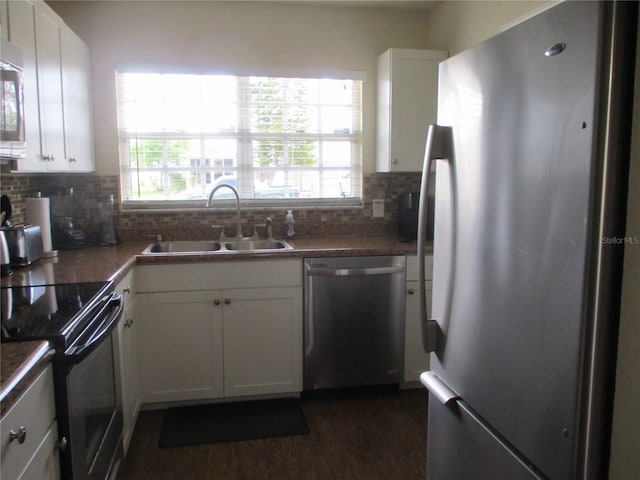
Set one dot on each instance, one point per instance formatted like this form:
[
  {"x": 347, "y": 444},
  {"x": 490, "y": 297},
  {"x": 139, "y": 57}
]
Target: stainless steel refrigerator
[{"x": 531, "y": 156}]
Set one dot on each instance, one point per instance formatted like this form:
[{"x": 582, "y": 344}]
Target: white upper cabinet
[
  {"x": 21, "y": 19},
  {"x": 57, "y": 94},
  {"x": 49, "y": 88},
  {"x": 76, "y": 85},
  {"x": 407, "y": 104}
]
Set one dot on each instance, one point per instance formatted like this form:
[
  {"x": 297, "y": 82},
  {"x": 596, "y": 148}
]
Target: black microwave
[{"x": 12, "y": 143}]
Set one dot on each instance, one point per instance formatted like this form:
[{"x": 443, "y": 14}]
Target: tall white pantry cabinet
[{"x": 407, "y": 104}]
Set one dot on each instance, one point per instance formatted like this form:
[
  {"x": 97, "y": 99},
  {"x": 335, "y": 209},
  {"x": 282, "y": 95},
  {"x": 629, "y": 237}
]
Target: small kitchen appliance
[
  {"x": 408, "y": 207},
  {"x": 65, "y": 235},
  {"x": 12, "y": 131},
  {"x": 5, "y": 261},
  {"x": 105, "y": 215},
  {"x": 24, "y": 243}
]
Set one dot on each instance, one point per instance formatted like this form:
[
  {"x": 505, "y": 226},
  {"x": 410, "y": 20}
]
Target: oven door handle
[{"x": 110, "y": 313}]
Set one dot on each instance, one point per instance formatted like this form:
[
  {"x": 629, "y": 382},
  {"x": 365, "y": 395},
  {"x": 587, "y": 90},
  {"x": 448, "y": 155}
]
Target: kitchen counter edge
[{"x": 22, "y": 361}]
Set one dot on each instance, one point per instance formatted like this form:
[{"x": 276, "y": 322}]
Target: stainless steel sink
[
  {"x": 255, "y": 245},
  {"x": 204, "y": 246},
  {"x": 186, "y": 246}
]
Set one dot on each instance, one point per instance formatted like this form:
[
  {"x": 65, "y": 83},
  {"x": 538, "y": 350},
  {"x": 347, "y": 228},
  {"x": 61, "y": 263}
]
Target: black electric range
[
  {"x": 57, "y": 313},
  {"x": 79, "y": 320}
]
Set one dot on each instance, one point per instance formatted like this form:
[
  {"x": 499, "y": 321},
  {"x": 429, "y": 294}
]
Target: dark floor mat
[{"x": 227, "y": 422}]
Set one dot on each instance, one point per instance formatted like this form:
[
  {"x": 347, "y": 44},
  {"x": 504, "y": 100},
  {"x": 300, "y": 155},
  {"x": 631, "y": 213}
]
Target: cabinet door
[
  {"x": 416, "y": 360},
  {"x": 127, "y": 334},
  {"x": 35, "y": 412},
  {"x": 22, "y": 34},
  {"x": 76, "y": 67},
  {"x": 45, "y": 463},
  {"x": 407, "y": 103},
  {"x": 4, "y": 31},
  {"x": 180, "y": 346},
  {"x": 262, "y": 341},
  {"x": 50, "y": 89}
]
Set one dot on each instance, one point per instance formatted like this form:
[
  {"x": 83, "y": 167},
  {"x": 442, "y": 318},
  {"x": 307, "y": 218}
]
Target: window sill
[{"x": 134, "y": 206}]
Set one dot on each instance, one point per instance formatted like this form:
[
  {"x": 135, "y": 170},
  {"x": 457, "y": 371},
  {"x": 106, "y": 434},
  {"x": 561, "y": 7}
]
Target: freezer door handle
[
  {"x": 438, "y": 388},
  {"x": 439, "y": 146}
]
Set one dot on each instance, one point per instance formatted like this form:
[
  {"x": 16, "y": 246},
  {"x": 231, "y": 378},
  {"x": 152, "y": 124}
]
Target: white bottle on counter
[{"x": 289, "y": 223}]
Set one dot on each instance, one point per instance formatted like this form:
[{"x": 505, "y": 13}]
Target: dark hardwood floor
[{"x": 353, "y": 436}]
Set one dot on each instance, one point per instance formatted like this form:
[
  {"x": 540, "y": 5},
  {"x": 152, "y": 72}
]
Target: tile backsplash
[{"x": 196, "y": 225}]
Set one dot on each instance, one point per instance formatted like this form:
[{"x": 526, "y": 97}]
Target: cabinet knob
[
  {"x": 227, "y": 301},
  {"x": 73, "y": 160},
  {"x": 126, "y": 290},
  {"x": 128, "y": 323},
  {"x": 20, "y": 435},
  {"x": 394, "y": 161},
  {"x": 411, "y": 291},
  {"x": 49, "y": 158},
  {"x": 62, "y": 444},
  {"x": 216, "y": 301}
]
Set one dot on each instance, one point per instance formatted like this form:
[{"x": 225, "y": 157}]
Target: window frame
[{"x": 242, "y": 135}]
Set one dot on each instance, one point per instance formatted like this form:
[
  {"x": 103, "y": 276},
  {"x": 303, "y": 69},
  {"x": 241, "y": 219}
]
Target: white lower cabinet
[
  {"x": 45, "y": 463},
  {"x": 262, "y": 333},
  {"x": 29, "y": 434},
  {"x": 203, "y": 343},
  {"x": 180, "y": 346},
  {"x": 416, "y": 360},
  {"x": 127, "y": 333}
]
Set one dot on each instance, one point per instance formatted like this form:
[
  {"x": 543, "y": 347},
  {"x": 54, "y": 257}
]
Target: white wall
[
  {"x": 226, "y": 36},
  {"x": 457, "y": 25}
]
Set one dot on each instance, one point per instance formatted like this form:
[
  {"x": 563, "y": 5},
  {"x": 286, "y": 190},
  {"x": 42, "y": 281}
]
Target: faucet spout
[
  {"x": 235, "y": 192},
  {"x": 269, "y": 224}
]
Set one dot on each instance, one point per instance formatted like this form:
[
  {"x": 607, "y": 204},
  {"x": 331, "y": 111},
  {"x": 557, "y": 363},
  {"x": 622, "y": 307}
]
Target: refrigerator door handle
[
  {"x": 438, "y": 388},
  {"x": 439, "y": 146}
]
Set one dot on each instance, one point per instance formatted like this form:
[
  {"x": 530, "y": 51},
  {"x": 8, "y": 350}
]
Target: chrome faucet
[
  {"x": 269, "y": 224},
  {"x": 235, "y": 192}
]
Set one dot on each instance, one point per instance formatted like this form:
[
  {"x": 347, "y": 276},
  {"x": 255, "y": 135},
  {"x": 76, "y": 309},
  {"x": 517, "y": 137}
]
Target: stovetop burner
[{"x": 47, "y": 312}]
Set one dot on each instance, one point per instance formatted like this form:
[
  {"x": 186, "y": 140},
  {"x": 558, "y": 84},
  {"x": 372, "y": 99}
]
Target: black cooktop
[{"x": 48, "y": 312}]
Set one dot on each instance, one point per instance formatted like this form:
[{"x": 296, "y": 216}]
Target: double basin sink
[{"x": 212, "y": 246}]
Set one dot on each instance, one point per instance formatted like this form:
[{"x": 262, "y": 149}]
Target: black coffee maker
[
  {"x": 409, "y": 205},
  {"x": 64, "y": 235}
]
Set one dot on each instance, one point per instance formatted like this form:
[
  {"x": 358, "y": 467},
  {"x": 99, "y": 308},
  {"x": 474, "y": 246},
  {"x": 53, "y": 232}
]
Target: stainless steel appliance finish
[
  {"x": 12, "y": 131},
  {"x": 79, "y": 321},
  {"x": 353, "y": 321},
  {"x": 24, "y": 243},
  {"x": 531, "y": 182}
]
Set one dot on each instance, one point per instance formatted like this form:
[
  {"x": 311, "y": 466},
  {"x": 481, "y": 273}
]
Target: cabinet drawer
[
  {"x": 35, "y": 411},
  {"x": 413, "y": 268},
  {"x": 126, "y": 286},
  {"x": 219, "y": 275}
]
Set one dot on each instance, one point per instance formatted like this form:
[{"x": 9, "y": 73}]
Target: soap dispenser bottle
[{"x": 289, "y": 223}]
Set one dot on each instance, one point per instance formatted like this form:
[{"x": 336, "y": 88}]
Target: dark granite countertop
[
  {"x": 21, "y": 363},
  {"x": 113, "y": 262}
]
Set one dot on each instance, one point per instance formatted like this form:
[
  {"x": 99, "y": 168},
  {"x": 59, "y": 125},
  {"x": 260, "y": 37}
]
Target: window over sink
[{"x": 276, "y": 140}]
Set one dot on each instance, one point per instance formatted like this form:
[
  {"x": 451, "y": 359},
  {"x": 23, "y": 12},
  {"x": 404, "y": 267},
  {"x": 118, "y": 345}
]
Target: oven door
[{"x": 94, "y": 415}]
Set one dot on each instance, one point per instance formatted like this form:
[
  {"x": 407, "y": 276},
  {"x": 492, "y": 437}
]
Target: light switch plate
[{"x": 378, "y": 208}]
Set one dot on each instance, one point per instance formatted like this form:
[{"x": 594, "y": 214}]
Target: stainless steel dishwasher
[{"x": 353, "y": 321}]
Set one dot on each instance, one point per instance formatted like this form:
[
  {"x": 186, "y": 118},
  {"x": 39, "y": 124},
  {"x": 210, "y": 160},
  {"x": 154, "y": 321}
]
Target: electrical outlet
[{"x": 378, "y": 208}]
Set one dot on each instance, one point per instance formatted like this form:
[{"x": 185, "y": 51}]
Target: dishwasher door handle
[{"x": 350, "y": 272}]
